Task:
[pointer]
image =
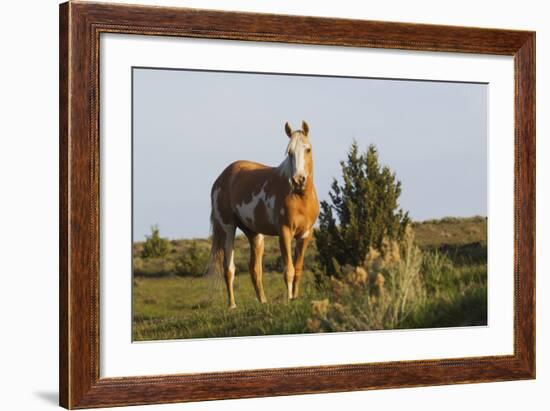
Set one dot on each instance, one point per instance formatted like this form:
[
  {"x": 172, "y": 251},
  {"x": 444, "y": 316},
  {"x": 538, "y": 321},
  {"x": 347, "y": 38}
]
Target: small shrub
[
  {"x": 192, "y": 262},
  {"x": 155, "y": 245},
  {"x": 438, "y": 271},
  {"x": 363, "y": 211}
]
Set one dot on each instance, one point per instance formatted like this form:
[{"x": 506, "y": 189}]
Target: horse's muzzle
[
  {"x": 299, "y": 184},
  {"x": 299, "y": 181}
]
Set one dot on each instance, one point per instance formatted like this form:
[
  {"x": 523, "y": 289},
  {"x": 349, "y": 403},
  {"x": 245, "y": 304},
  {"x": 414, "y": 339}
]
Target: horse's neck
[{"x": 310, "y": 193}]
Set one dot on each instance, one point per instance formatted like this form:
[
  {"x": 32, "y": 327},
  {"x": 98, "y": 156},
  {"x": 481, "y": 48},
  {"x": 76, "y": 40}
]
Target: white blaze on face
[{"x": 297, "y": 148}]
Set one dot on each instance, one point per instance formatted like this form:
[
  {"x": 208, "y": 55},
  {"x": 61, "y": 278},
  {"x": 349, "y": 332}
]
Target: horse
[{"x": 261, "y": 200}]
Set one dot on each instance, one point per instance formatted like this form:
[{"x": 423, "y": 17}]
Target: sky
[{"x": 189, "y": 125}]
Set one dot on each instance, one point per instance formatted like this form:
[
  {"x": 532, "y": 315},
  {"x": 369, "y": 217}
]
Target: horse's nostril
[{"x": 299, "y": 179}]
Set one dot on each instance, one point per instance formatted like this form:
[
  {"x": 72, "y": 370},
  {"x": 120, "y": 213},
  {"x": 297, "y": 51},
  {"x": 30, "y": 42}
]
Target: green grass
[
  {"x": 460, "y": 302},
  {"x": 167, "y": 306},
  {"x": 177, "y": 307}
]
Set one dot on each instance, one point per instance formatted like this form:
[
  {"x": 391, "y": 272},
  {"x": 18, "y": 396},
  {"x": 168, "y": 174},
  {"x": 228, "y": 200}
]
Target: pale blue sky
[{"x": 189, "y": 125}]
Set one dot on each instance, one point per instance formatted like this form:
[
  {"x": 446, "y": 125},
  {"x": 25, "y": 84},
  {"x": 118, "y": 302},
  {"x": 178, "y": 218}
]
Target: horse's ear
[
  {"x": 305, "y": 128},
  {"x": 288, "y": 130}
]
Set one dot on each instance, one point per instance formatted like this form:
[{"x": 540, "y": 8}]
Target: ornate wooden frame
[{"x": 80, "y": 27}]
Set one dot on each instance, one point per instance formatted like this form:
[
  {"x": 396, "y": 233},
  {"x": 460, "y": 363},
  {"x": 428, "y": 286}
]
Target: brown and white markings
[{"x": 261, "y": 200}]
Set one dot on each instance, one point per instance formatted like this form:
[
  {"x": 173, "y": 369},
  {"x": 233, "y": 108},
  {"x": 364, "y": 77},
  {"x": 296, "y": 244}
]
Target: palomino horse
[{"x": 261, "y": 200}]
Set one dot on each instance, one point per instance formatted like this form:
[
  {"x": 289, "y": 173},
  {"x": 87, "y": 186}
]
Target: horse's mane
[{"x": 285, "y": 168}]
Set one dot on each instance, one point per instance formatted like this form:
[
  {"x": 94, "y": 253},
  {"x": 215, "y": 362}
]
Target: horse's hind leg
[
  {"x": 228, "y": 263},
  {"x": 224, "y": 236},
  {"x": 255, "y": 266}
]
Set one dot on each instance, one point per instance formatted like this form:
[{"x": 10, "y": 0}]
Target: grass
[
  {"x": 176, "y": 307},
  {"x": 453, "y": 278}
]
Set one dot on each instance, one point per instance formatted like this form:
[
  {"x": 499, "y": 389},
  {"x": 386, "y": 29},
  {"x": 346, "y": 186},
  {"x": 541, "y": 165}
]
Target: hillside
[{"x": 459, "y": 237}]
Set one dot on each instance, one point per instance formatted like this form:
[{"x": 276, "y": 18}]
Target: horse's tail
[
  {"x": 213, "y": 273},
  {"x": 214, "y": 267}
]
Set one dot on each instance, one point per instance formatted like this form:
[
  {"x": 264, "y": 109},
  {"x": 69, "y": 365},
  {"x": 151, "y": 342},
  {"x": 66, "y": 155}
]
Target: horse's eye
[{"x": 308, "y": 150}]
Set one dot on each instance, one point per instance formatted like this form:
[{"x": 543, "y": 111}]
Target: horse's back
[
  {"x": 244, "y": 165},
  {"x": 239, "y": 170}
]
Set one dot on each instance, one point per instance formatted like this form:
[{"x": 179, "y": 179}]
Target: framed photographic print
[{"x": 258, "y": 205}]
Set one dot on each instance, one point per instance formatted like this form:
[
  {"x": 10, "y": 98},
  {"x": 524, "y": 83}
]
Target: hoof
[{"x": 232, "y": 306}]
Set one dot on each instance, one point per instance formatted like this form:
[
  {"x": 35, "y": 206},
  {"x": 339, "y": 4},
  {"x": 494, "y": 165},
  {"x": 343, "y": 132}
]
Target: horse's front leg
[
  {"x": 285, "y": 242},
  {"x": 301, "y": 246},
  {"x": 255, "y": 265}
]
